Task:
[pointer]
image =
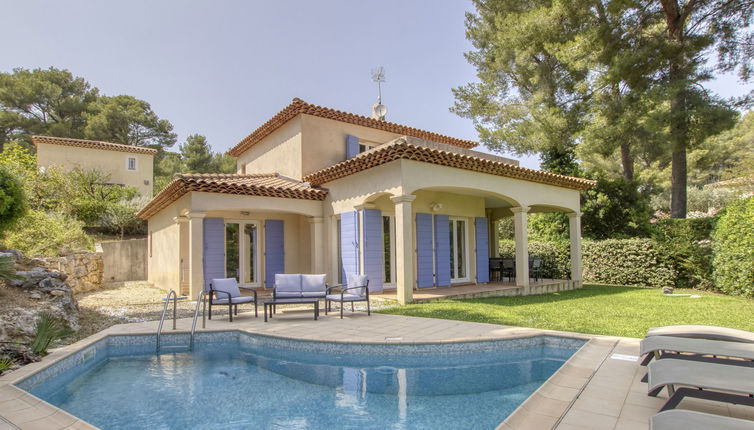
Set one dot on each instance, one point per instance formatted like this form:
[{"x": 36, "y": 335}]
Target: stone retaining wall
[{"x": 85, "y": 270}]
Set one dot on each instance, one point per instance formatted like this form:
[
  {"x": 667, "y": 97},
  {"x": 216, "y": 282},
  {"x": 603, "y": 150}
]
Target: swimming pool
[{"x": 240, "y": 380}]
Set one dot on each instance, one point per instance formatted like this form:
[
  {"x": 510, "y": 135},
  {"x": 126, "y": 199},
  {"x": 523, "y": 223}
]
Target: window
[
  {"x": 365, "y": 145},
  {"x": 131, "y": 163},
  {"x": 458, "y": 249}
]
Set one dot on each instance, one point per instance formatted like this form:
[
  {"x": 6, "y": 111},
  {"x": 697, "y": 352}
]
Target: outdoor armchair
[
  {"x": 356, "y": 290},
  {"x": 225, "y": 291}
]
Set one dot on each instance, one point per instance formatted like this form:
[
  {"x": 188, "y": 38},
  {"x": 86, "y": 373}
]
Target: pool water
[{"x": 243, "y": 381}]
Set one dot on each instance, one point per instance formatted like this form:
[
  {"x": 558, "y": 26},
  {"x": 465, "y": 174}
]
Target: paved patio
[
  {"x": 595, "y": 389},
  {"x": 473, "y": 291}
]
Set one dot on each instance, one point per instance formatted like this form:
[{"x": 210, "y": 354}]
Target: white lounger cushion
[
  {"x": 703, "y": 332},
  {"x": 697, "y": 346},
  {"x": 695, "y": 374},
  {"x": 228, "y": 285},
  {"x": 691, "y": 420}
]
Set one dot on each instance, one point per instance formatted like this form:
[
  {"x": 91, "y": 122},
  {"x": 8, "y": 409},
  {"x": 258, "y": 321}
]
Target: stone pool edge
[{"x": 543, "y": 409}]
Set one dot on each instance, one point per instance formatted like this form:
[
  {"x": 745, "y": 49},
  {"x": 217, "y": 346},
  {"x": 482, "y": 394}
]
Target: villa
[
  {"x": 319, "y": 190},
  {"x": 127, "y": 165}
]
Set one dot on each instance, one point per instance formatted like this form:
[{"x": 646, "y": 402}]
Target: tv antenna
[{"x": 378, "y": 109}]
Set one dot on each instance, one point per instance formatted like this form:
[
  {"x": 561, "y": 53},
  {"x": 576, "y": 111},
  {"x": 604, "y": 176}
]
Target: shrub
[
  {"x": 555, "y": 255},
  {"x": 634, "y": 262},
  {"x": 48, "y": 329},
  {"x": 48, "y": 234},
  {"x": 686, "y": 243},
  {"x": 733, "y": 247},
  {"x": 614, "y": 209},
  {"x": 12, "y": 200}
]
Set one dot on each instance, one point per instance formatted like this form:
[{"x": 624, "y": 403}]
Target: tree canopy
[
  {"x": 618, "y": 84},
  {"x": 53, "y": 102}
]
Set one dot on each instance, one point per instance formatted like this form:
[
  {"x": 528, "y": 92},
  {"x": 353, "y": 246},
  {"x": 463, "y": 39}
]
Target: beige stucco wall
[
  {"x": 279, "y": 152},
  {"x": 125, "y": 260},
  {"x": 163, "y": 247},
  {"x": 112, "y": 162},
  {"x": 171, "y": 240},
  {"x": 325, "y": 141}
]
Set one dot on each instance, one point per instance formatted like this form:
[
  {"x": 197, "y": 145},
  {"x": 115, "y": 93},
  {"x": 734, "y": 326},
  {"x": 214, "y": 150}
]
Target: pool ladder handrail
[
  {"x": 164, "y": 311},
  {"x": 201, "y": 299}
]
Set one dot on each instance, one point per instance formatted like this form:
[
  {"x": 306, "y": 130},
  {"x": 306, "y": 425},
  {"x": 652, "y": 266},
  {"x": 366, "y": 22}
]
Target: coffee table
[{"x": 270, "y": 304}]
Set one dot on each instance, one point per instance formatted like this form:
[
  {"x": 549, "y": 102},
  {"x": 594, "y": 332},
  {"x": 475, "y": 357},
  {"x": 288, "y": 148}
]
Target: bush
[
  {"x": 634, "y": 262},
  {"x": 556, "y": 256},
  {"x": 733, "y": 248},
  {"x": 47, "y": 234},
  {"x": 614, "y": 209},
  {"x": 687, "y": 245},
  {"x": 12, "y": 200}
]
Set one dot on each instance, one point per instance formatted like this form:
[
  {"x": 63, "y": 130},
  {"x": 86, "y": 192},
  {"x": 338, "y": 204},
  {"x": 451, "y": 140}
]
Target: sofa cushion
[
  {"x": 358, "y": 281},
  {"x": 228, "y": 285},
  {"x": 313, "y": 294},
  {"x": 313, "y": 283},
  {"x": 287, "y": 294},
  {"x": 235, "y": 300},
  {"x": 287, "y": 283},
  {"x": 346, "y": 297}
]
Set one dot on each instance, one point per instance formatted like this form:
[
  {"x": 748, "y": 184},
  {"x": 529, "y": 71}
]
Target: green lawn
[{"x": 596, "y": 309}]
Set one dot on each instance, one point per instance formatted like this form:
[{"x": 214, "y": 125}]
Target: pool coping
[{"x": 543, "y": 409}]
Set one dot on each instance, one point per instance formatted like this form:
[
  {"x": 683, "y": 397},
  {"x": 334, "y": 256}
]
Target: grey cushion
[
  {"x": 313, "y": 294},
  {"x": 287, "y": 283},
  {"x": 346, "y": 297},
  {"x": 313, "y": 283},
  {"x": 228, "y": 285},
  {"x": 234, "y": 300},
  {"x": 357, "y": 281}
]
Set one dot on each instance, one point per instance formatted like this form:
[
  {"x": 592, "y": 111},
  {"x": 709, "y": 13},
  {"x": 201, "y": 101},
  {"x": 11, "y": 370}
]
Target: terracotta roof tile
[
  {"x": 299, "y": 106},
  {"x": 265, "y": 185},
  {"x": 442, "y": 155},
  {"x": 93, "y": 144}
]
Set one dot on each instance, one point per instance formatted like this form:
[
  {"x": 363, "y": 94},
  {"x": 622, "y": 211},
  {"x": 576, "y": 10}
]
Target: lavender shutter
[
  {"x": 374, "y": 266},
  {"x": 274, "y": 251},
  {"x": 214, "y": 250},
  {"x": 424, "y": 255},
  {"x": 349, "y": 243},
  {"x": 442, "y": 250},
  {"x": 352, "y": 146},
  {"x": 482, "y": 250}
]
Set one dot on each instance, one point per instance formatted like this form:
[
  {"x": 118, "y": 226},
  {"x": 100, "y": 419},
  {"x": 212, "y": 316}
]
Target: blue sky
[{"x": 222, "y": 68}]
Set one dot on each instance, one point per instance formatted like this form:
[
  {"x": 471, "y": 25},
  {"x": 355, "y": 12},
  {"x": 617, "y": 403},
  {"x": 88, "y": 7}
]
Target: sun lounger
[
  {"x": 669, "y": 346},
  {"x": 711, "y": 381},
  {"x": 691, "y": 420},
  {"x": 703, "y": 332}
]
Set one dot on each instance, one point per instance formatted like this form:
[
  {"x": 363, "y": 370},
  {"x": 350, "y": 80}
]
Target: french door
[
  {"x": 242, "y": 252},
  {"x": 388, "y": 249},
  {"x": 458, "y": 232}
]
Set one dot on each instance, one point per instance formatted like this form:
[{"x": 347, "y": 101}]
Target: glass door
[
  {"x": 242, "y": 252},
  {"x": 458, "y": 250},
  {"x": 388, "y": 249}
]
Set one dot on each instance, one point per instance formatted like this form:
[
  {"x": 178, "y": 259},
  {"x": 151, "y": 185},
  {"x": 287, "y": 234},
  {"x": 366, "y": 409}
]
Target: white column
[
  {"x": 574, "y": 224},
  {"x": 317, "y": 244},
  {"x": 404, "y": 247},
  {"x": 196, "y": 253},
  {"x": 521, "y": 228}
]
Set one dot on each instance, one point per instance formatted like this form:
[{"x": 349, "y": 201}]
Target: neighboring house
[
  {"x": 126, "y": 164},
  {"x": 323, "y": 191}
]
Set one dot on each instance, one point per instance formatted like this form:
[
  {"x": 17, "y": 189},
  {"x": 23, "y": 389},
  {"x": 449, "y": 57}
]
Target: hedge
[
  {"x": 637, "y": 262},
  {"x": 634, "y": 262},
  {"x": 687, "y": 245},
  {"x": 733, "y": 247}
]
